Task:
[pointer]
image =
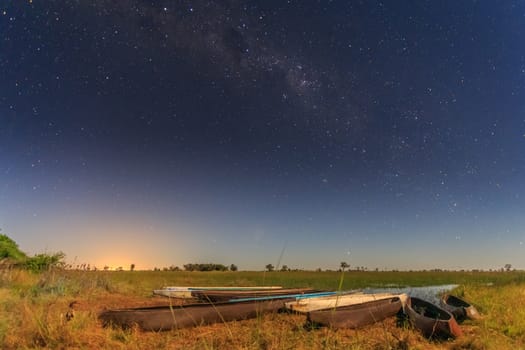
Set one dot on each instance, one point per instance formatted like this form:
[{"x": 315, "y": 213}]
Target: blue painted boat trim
[
  {"x": 340, "y": 293},
  {"x": 286, "y": 296}
]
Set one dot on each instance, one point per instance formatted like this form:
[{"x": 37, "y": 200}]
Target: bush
[
  {"x": 43, "y": 262},
  {"x": 40, "y": 262},
  {"x": 205, "y": 267},
  {"x": 9, "y": 250}
]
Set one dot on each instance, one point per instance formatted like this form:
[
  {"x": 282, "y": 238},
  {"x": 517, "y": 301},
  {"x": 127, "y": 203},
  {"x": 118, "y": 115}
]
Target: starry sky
[{"x": 388, "y": 134}]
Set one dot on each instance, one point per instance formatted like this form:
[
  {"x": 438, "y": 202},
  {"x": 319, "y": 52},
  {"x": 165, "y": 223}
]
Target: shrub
[
  {"x": 43, "y": 262},
  {"x": 205, "y": 267},
  {"x": 9, "y": 250}
]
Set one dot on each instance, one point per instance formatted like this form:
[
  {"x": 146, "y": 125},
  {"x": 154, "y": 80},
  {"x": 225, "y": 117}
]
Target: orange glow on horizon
[{"x": 118, "y": 241}]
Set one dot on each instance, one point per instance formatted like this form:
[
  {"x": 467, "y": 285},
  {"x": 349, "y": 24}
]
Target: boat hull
[
  {"x": 330, "y": 302},
  {"x": 433, "y": 321},
  {"x": 185, "y": 292},
  {"x": 356, "y": 316},
  {"x": 182, "y": 294},
  {"x": 459, "y": 308},
  {"x": 176, "y": 317},
  {"x": 226, "y": 295}
]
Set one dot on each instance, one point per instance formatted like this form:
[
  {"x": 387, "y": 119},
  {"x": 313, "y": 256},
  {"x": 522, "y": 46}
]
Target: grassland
[{"x": 36, "y": 310}]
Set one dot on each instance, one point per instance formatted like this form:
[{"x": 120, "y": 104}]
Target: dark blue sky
[{"x": 387, "y": 134}]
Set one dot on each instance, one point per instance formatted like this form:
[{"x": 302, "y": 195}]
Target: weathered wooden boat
[
  {"x": 459, "y": 308},
  {"x": 163, "y": 318},
  {"x": 433, "y": 321},
  {"x": 337, "y": 300},
  {"x": 358, "y": 315},
  {"x": 229, "y": 295},
  {"x": 173, "y": 293},
  {"x": 284, "y": 296},
  {"x": 185, "y": 292}
]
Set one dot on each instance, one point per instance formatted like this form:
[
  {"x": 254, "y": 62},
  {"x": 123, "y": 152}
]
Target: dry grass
[{"x": 36, "y": 310}]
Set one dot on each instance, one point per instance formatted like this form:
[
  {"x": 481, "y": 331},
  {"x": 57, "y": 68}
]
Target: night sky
[{"x": 387, "y": 134}]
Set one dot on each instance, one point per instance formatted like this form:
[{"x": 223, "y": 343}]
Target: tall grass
[{"x": 34, "y": 311}]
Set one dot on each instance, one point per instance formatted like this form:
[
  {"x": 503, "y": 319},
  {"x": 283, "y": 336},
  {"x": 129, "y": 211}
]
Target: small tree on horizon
[
  {"x": 233, "y": 267},
  {"x": 269, "y": 267},
  {"x": 344, "y": 265},
  {"x": 132, "y": 267}
]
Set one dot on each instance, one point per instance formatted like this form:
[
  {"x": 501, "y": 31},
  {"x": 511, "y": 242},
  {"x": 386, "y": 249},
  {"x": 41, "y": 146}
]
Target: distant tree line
[
  {"x": 209, "y": 267},
  {"x": 12, "y": 256}
]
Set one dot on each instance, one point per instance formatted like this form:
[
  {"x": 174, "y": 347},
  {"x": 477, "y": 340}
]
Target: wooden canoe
[
  {"x": 329, "y": 302},
  {"x": 163, "y": 318},
  {"x": 229, "y": 295},
  {"x": 174, "y": 293},
  {"x": 459, "y": 308},
  {"x": 358, "y": 315},
  {"x": 433, "y": 321},
  {"x": 185, "y": 292}
]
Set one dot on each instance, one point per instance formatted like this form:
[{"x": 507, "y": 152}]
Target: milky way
[{"x": 343, "y": 125}]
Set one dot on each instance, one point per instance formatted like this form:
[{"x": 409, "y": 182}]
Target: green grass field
[{"x": 35, "y": 308}]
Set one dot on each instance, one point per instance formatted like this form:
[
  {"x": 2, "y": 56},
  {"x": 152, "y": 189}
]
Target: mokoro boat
[
  {"x": 459, "y": 308},
  {"x": 336, "y": 300},
  {"x": 433, "y": 321},
  {"x": 185, "y": 292},
  {"x": 163, "y": 318},
  {"x": 229, "y": 295},
  {"x": 358, "y": 315}
]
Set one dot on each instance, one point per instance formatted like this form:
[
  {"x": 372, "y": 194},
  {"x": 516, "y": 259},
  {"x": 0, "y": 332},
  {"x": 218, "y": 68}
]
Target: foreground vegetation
[{"x": 58, "y": 309}]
